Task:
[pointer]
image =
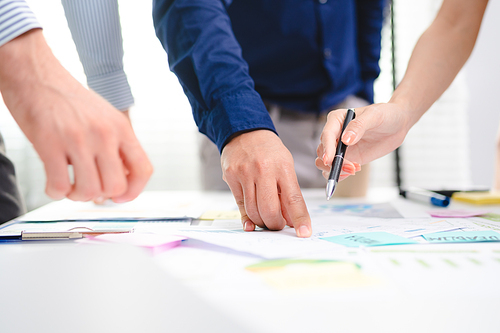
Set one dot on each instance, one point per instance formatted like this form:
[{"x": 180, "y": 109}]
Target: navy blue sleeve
[
  {"x": 370, "y": 16},
  {"x": 206, "y": 57}
]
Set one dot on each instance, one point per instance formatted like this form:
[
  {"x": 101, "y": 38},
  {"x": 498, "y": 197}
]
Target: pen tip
[{"x": 330, "y": 188}]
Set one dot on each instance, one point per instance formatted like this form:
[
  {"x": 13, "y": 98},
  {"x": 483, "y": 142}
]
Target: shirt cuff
[
  {"x": 237, "y": 113},
  {"x": 16, "y": 18},
  {"x": 114, "y": 88}
]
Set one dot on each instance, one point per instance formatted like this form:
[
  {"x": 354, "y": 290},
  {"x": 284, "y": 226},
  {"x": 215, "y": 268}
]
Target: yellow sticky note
[
  {"x": 221, "y": 215},
  {"x": 293, "y": 275},
  {"x": 478, "y": 198}
]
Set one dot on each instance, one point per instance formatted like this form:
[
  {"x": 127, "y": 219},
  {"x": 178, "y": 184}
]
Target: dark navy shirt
[{"x": 306, "y": 55}]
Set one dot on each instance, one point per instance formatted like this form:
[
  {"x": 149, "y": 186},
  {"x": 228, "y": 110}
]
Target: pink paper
[
  {"x": 456, "y": 213},
  {"x": 156, "y": 243}
]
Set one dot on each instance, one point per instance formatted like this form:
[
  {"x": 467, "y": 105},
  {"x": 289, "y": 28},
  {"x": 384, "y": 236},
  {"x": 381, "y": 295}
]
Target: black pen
[{"x": 338, "y": 160}]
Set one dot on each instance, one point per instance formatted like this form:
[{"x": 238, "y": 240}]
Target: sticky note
[
  {"x": 456, "y": 213},
  {"x": 304, "y": 274},
  {"x": 478, "y": 198},
  {"x": 463, "y": 237},
  {"x": 368, "y": 239}
]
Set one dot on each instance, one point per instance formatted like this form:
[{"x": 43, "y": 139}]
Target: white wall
[
  {"x": 483, "y": 81},
  {"x": 163, "y": 122},
  {"x": 435, "y": 152}
]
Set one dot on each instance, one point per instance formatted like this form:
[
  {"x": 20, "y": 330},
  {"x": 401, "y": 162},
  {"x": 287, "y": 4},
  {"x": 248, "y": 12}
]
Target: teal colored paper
[
  {"x": 369, "y": 239},
  {"x": 463, "y": 237}
]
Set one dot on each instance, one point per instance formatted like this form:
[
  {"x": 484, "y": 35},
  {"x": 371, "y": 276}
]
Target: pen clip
[
  {"x": 73, "y": 233},
  {"x": 50, "y": 235}
]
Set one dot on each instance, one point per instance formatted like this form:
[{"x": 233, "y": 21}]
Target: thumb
[{"x": 358, "y": 126}]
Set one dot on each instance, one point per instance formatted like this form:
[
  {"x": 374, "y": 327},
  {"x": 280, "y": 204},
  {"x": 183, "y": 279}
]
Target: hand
[
  {"x": 260, "y": 173},
  {"x": 102, "y": 200},
  {"x": 69, "y": 125},
  {"x": 377, "y": 130}
]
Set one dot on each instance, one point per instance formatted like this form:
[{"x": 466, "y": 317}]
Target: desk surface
[{"x": 198, "y": 286}]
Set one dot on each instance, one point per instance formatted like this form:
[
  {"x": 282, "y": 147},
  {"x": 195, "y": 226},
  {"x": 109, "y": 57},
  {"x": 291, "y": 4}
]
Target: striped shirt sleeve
[
  {"x": 16, "y": 18},
  {"x": 96, "y": 31}
]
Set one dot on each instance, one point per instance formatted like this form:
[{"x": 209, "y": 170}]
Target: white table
[{"x": 66, "y": 286}]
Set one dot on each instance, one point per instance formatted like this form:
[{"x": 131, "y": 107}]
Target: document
[{"x": 149, "y": 205}]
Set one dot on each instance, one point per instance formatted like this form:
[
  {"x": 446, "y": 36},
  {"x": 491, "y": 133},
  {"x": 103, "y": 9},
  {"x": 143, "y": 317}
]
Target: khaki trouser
[{"x": 300, "y": 133}]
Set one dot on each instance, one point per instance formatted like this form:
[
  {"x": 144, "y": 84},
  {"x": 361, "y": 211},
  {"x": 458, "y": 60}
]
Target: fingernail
[
  {"x": 248, "y": 226},
  {"x": 304, "y": 231},
  {"x": 348, "y": 171},
  {"x": 99, "y": 200},
  {"x": 324, "y": 159},
  {"x": 348, "y": 137}
]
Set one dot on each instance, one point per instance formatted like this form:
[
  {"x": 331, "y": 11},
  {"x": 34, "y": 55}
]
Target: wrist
[
  {"x": 28, "y": 70},
  {"x": 246, "y": 133},
  {"x": 27, "y": 61},
  {"x": 408, "y": 110},
  {"x": 17, "y": 58}
]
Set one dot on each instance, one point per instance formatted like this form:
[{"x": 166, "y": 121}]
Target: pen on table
[
  {"x": 425, "y": 196},
  {"x": 449, "y": 192},
  {"x": 338, "y": 160},
  {"x": 56, "y": 235}
]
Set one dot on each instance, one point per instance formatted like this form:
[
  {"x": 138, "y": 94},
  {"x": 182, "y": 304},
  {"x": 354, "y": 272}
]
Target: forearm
[
  {"x": 26, "y": 63},
  {"x": 96, "y": 31},
  {"x": 439, "y": 55},
  {"x": 205, "y": 55}
]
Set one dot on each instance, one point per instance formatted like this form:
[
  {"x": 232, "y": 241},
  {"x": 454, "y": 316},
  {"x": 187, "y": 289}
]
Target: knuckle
[
  {"x": 105, "y": 136},
  {"x": 229, "y": 171},
  {"x": 89, "y": 194},
  {"x": 263, "y": 166},
  {"x": 276, "y": 224},
  {"x": 320, "y": 149},
  {"x": 273, "y": 214},
  {"x": 294, "y": 200},
  {"x": 319, "y": 163},
  {"x": 76, "y": 137},
  {"x": 330, "y": 115},
  {"x": 357, "y": 124},
  {"x": 57, "y": 190},
  {"x": 253, "y": 214},
  {"x": 241, "y": 203},
  {"x": 85, "y": 192},
  {"x": 146, "y": 171},
  {"x": 116, "y": 189}
]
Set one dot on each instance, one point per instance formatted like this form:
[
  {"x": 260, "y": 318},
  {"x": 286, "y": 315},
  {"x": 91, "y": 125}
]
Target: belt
[{"x": 295, "y": 115}]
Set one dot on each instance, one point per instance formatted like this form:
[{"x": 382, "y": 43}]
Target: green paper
[
  {"x": 369, "y": 239},
  {"x": 463, "y": 237}
]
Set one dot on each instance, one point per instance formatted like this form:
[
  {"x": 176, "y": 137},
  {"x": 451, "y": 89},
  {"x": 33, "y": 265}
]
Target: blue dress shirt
[{"x": 306, "y": 55}]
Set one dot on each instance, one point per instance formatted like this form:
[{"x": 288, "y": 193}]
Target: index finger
[
  {"x": 294, "y": 208},
  {"x": 330, "y": 134}
]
